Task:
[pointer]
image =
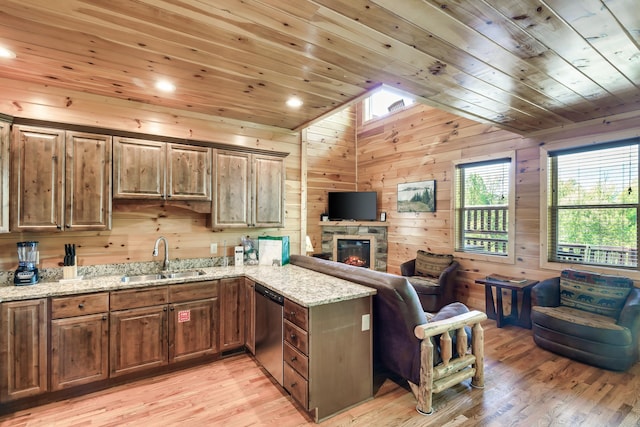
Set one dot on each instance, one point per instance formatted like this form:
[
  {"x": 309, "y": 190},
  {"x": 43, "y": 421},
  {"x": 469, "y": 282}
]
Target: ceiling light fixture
[
  {"x": 165, "y": 86},
  {"x": 6, "y": 53},
  {"x": 294, "y": 102}
]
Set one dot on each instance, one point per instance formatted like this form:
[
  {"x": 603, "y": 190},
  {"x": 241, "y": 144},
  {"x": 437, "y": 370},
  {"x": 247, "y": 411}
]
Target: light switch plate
[
  {"x": 366, "y": 322},
  {"x": 214, "y": 248}
]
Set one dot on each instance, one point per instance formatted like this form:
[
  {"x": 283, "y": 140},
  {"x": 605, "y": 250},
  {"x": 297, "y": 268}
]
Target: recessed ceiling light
[
  {"x": 294, "y": 102},
  {"x": 6, "y": 53},
  {"x": 165, "y": 86}
]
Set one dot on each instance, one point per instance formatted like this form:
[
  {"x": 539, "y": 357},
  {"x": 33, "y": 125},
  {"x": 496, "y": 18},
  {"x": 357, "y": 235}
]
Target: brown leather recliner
[{"x": 578, "y": 316}]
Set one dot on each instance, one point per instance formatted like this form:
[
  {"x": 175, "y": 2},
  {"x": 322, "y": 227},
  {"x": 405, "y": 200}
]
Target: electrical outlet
[
  {"x": 366, "y": 322},
  {"x": 214, "y": 248}
]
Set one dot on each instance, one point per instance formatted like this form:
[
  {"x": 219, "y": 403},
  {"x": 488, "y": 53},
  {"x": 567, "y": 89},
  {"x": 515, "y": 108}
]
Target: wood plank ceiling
[{"x": 524, "y": 65}]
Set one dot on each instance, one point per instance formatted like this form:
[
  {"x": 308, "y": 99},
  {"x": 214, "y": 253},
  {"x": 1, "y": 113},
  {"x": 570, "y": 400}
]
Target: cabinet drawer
[
  {"x": 297, "y": 360},
  {"x": 296, "y": 314},
  {"x": 193, "y": 291},
  {"x": 134, "y": 298},
  {"x": 295, "y": 384},
  {"x": 296, "y": 337},
  {"x": 79, "y": 305}
]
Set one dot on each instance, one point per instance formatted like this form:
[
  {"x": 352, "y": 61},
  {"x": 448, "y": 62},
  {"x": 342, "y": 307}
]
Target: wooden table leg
[
  {"x": 488, "y": 302},
  {"x": 514, "y": 305},
  {"x": 500, "y": 314},
  {"x": 525, "y": 315}
]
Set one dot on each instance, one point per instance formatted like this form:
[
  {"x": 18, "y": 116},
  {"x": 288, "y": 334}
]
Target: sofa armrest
[
  {"x": 547, "y": 293},
  {"x": 408, "y": 268},
  {"x": 630, "y": 314}
]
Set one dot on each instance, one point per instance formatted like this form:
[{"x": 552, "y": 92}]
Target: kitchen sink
[{"x": 159, "y": 276}]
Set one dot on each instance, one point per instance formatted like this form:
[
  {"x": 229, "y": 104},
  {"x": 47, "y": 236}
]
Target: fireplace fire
[{"x": 355, "y": 250}]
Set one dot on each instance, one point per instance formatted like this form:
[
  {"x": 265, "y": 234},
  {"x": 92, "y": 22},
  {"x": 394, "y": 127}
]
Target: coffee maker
[{"x": 27, "y": 272}]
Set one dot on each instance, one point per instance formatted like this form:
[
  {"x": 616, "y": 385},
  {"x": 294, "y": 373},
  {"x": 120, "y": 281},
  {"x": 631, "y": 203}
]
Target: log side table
[{"x": 523, "y": 319}]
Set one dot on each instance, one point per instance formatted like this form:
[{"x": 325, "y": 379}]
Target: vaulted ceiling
[{"x": 524, "y": 65}]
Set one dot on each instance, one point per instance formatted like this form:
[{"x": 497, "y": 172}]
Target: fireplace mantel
[{"x": 353, "y": 223}]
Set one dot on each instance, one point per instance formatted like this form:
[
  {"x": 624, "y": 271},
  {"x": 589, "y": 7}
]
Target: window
[
  {"x": 483, "y": 207},
  {"x": 383, "y": 102},
  {"x": 593, "y": 205}
]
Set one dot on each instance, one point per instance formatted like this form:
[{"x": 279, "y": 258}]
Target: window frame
[
  {"x": 366, "y": 104},
  {"x": 510, "y": 257},
  {"x": 579, "y": 142}
]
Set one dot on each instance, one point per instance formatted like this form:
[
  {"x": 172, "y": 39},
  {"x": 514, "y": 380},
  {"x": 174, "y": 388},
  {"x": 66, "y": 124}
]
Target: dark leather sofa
[
  {"x": 397, "y": 313},
  {"x": 567, "y": 320},
  {"x": 433, "y": 292}
]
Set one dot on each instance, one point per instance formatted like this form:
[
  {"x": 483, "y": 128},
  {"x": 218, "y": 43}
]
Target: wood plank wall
[
  {"x": 331, "y": 164},
  {"x": 135, "y": 228},
  {"x": 420, "y": 143}
]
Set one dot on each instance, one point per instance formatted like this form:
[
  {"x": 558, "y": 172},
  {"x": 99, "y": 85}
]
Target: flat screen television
[{"x": 353, "y": 205}]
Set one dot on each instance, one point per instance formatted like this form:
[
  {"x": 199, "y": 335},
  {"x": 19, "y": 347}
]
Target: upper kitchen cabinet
[
  {"x": 145, "y": 169},
  {"x": 5, "y": 132},
  {"x": 60, "y": 180},
  {"x": 249, "y": 190}
]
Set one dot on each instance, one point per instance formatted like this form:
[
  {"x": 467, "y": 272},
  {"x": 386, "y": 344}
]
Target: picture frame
[{"x": 417, "y": 196}]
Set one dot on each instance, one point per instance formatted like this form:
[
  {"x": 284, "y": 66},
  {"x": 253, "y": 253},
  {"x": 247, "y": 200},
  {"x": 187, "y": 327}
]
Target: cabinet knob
[
  {"x": 58, "y": 226},
  {"x": 164, "y": 308},
  {"x": 80, "y": 306},
  {"x": 68, "y": 225},
  {"x": 294, "y": 358},
  {"x": 104, "y": 317},
  {"x": 293, "y": 336},
  {"x": 171, "y": 308},
  {"x": 293, "y": 314},
  {"x": 294, "y": 384}
]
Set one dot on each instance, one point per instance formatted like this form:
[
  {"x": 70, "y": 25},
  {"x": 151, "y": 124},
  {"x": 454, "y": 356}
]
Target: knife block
[{"x": 70, "y": 271}]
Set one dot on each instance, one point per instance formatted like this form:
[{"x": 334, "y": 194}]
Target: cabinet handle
[
  {"x": 80, "y": 306},
  {"x": 293, "y": 336},
  {"x": 294, "y": 358},
  {"x": 294, "y": 384},
  {"x": 293, "y": 314}
]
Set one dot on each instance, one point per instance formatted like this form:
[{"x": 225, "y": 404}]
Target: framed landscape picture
[{"x": 417, "y": 196}]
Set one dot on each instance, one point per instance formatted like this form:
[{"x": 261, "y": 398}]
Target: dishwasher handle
[{"x": 268, "y": 293}]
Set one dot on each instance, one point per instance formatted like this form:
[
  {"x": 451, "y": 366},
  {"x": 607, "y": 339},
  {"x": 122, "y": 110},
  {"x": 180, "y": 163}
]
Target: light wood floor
[{"x": 525, "y": 386}]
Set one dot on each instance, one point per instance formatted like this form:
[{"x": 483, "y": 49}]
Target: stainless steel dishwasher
[{"x": 268, "y": 320}]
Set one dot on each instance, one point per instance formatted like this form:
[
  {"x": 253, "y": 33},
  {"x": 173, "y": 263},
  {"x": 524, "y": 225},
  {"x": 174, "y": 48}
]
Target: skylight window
[{"x": 384, "y": 102}]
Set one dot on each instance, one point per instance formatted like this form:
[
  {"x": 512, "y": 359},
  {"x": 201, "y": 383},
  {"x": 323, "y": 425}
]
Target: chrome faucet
[{"x": 165, "y": 264}]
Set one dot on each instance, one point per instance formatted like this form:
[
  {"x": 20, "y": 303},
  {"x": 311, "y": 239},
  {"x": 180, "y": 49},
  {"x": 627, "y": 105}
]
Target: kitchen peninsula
[{"x": 198, "y": 318}]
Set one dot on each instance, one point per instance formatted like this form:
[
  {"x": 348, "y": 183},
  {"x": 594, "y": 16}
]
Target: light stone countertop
[{"x": 305, "y": 287}]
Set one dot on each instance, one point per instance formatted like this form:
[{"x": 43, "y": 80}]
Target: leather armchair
[
  {"x": 592, "y": 338},
  {"x": 432, "y": 355},
  {"x": 433, "y": 292}
]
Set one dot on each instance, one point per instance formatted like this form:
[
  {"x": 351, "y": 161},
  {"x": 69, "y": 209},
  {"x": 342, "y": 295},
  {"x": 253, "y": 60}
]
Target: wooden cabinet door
[
  {"x": 138, "y": 339},
  {"x": 4, "y": 176},
  {"x": 232, "y": 316},
  {"x": 188, "y": 172},
  {"x": 88, "y": 182},
  {"x": 23, "y": 349},
  {"x": 37, "y": 159},
  {"x": 139, "y": 169},
  {"x": 268, "y": 191},
  {"x": 79, "y": 350},
  {"x": 193, "y": 329},
  {"x": 232, "y": 184},
  {"x": 250, "y": 316}
]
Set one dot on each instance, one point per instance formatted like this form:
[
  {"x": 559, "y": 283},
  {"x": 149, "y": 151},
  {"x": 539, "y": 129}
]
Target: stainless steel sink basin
[
  {"x": 142, "y": 278},
  {"x": 183, "y": 274},
  {"x": 168, "y": 275}
]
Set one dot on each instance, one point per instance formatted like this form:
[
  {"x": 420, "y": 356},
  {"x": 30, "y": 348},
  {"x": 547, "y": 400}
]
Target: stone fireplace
[{"x": 363, "y": 244}]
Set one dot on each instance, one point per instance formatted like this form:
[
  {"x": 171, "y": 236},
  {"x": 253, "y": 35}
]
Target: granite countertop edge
[{"x": 303, "y": 286}]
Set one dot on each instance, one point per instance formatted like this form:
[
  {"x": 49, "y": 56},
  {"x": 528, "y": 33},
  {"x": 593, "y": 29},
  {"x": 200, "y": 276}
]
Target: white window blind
[
  {"x": 593, "y": 205},
  {"x": 482, "y": 207}
]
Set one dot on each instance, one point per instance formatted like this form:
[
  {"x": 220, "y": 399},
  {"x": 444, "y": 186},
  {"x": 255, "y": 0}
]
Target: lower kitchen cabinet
[
  {"x": 250, "y": 315},
  {"x": 193, "y": 320},
  {"x": 138, "y": 335},
  {"x": 232, "y": 315},
  {"x": 327, "y": 354},
  {"x": 79, "y": 340},
  {"x": 23, "y": 349}
]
